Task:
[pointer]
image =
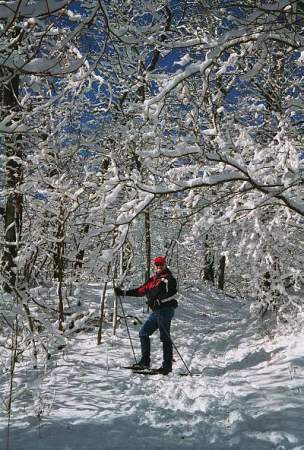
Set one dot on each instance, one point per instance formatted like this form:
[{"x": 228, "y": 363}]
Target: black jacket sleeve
[
  {"x": 139, "y": 291},
  {"x": 133, "y": 293}
]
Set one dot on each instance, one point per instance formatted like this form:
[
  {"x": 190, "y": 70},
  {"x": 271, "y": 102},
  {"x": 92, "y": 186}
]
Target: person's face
[{"x": 159, "y": 267}]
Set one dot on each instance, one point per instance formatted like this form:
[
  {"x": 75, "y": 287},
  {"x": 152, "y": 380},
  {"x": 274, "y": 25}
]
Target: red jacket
[{"x": 159, "y": 287}]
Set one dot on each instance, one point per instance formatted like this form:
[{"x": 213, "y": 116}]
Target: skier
[{"x": 159, "y": 290}]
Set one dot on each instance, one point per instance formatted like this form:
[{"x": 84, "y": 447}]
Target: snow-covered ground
[{"x": 246, "y": 392}]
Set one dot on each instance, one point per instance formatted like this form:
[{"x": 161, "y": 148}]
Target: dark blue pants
[{"x": 158, "y": 320}]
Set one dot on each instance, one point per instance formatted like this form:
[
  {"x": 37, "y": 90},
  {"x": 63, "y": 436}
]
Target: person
[{"x": 160, "y": 290}]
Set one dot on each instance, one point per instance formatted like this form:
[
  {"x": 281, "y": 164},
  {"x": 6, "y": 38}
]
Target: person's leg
[
  {"x": 148, "y": 328},
  {"x": 165, "y": 316}
]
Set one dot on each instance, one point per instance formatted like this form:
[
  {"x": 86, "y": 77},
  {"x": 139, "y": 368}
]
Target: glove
[{"x": 118, "y": 291}]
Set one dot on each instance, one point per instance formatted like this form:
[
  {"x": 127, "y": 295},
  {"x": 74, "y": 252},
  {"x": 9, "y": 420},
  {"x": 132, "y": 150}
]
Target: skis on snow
[
  {"x": 151, "y": 371},
  {"x": 142, "y": 371},
  {"x": 146, "y": 371}
]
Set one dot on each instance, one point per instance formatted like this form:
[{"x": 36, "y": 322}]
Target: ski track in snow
[{"x": 246, "y": 392}]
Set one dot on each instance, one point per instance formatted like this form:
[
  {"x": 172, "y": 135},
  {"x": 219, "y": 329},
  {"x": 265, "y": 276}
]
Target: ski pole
[
  {"x": 175, "y": 347},
  {"x": 127, "y": 326}
]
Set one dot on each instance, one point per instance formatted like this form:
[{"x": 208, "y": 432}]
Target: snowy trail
[{"x": 247, "y": 392}]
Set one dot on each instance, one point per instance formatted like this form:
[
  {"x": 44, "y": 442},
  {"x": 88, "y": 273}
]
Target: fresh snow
[
  {"x": 39, "y": 65},
  {"x": 246, "y": 392}
]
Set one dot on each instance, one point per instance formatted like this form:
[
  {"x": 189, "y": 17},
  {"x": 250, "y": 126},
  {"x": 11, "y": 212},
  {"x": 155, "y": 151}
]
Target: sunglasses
[{"x": 158, "y": 264}]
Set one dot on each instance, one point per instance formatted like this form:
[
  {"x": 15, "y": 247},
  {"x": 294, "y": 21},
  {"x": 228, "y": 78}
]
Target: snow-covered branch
[{"x": 24, "y": 9}]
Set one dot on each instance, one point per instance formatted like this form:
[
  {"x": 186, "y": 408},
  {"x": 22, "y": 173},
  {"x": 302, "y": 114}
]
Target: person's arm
[{"x": 139, "y": 291}]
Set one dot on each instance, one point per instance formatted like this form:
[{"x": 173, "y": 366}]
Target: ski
[
  {"x": 134, "y": 369},
  {"x": 187, "y": 374},
  {"x": 128, "y": 367},
  {"x": 146, "y": 371},
  {"x": 154, "y": 372},
  {"x": 137, "y": 368}
]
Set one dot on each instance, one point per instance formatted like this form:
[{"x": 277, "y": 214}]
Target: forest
[{"x": 131, "y": 129}]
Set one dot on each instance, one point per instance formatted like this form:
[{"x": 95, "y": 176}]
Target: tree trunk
[
  {"x": 209, "y": 273},
  {"x": 148, "y": 244},
  {"x": 101, "y": 311},
  {"x": 14, "y": 177},
  {"x": 59, "y": 250},
  {"x": 59, "y": 264},
  {"x": 80, "y": 252},
  {"x": 221, "y": 279}
]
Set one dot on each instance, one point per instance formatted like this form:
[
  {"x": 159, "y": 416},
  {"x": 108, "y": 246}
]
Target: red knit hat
[{"x": 159, "y": 260}]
